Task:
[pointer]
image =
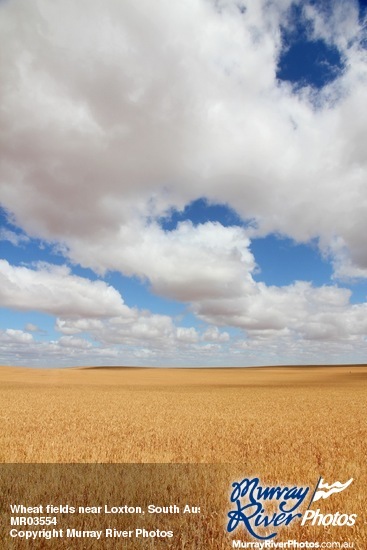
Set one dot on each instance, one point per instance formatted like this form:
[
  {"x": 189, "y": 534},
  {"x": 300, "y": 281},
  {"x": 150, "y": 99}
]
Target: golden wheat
[{"x": 286, "y": 425}]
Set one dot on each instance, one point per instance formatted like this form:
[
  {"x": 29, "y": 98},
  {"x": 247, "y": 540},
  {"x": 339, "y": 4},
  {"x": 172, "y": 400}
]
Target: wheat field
[{"x": 284, "y": 424}]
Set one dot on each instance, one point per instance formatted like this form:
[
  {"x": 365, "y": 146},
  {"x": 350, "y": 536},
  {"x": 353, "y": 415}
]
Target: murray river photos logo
[{"x": 251, "y": 503}]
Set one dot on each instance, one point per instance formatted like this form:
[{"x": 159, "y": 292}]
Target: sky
[{"x": 183, "y": 186}]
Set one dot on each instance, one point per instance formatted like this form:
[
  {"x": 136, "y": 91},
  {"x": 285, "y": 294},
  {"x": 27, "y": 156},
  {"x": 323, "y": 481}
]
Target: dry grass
[{"x": 288, "y": 425}]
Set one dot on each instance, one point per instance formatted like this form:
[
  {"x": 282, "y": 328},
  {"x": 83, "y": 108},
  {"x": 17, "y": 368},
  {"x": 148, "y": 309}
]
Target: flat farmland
[
  {"x": 286, "y": 425},
  {"x": 256, "y": 416}
]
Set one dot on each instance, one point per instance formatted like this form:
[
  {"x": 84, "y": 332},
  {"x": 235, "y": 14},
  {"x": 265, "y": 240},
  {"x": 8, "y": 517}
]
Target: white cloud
[
  {"x": 270, "y": 308},
  {"x": 111, "y": 116},
  {"x": 30, "y": 327},
  {"x": 114, "y": 113},
  {"x": 188, "y": 335},
  {"x": 75, "y": 343},
  {"x": 19, "y": 348},
  {"x": 335, "y": 23},
  {"x": 11, "y": 336},
  {"x": 344, "y": 267},
  {"x": 53, "y": 289},
  {"x": 189, "y": 263},
  {"x": 212, "y": 334},
  {"x": 14, "y": 238},
  {"x": 76, "y": 326},
  {"x": 84, "y": 307},
  {"x": 144, "y": 353},
  {"x": 294, "y": 315},
  {"x": 157, "y": 331}
]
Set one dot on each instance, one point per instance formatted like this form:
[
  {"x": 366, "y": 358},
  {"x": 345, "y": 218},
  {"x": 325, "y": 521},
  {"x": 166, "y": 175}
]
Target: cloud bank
[{"x": 114, "y": 114}]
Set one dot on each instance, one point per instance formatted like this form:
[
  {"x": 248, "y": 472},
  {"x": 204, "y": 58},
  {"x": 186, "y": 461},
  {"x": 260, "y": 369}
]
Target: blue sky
[{"x": 177, "y": 198}]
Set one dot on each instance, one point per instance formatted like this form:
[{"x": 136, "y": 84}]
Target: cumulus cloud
[
  {"x": 335, "y": 22},
  {"x": 111, "y": 117},
  {"x": 298, "y": 312},
  {"x": 212, "y": 334},
  {"x": 19, "y": 347},
  {"x": 30, "y": 327},
  {"x": 142, "y": 327},
  {"x": 114, "y": 114},
  {"x": 188, "y": 335},
  {"x": 15, "y": 337},
  {"x": 191, "y": 262},
  {"x": 86, "y": 307},
  {"x": 53, "y": 289},
  {"x": 14, "y": 238},
  {"x": 76, "y": 343}
]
